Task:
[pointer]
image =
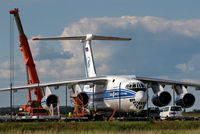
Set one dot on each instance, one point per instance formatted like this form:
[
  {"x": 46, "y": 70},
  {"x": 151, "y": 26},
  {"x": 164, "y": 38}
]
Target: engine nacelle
[
  {"x": 50, "y": 100},
  {"x": 161, "y": 99},
  {"x": 185, "y": 100},
  {"x": 83, "y": 98}
]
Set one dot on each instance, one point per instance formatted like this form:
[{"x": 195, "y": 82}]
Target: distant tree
[{"x": 196, "y": 111}]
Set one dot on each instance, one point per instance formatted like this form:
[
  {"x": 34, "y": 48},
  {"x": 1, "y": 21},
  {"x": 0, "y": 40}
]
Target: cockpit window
[{"x": 136, "y": 86}]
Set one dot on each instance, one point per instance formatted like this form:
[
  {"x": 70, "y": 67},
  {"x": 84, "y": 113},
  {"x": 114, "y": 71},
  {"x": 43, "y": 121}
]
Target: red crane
[{"x": 32, "y": 76}]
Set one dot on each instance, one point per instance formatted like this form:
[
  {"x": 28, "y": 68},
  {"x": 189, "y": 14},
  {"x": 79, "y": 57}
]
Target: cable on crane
[{"x": 11, "y": 62}]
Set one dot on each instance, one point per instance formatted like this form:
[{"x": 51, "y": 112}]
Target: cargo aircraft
[{"x": 126, "y": 93}]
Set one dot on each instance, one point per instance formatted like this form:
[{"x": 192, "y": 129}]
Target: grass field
[
  {"x": 191, "y": 114},
  {"x": 114, "y": 127}
]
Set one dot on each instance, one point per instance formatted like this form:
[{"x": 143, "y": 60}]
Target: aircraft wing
[
  {"x": 86, "y": 81},
  {"x": 167, "y": 82}
]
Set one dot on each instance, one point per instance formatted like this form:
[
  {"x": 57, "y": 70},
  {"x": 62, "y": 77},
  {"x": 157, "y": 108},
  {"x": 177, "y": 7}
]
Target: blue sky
[{"x": 166, "y": 38}]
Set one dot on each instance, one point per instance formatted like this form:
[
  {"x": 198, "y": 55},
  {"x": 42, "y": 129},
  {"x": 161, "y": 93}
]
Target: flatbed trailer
[
  {"x": 15, "y": 118},
  {"x": 68, "y": 119}
]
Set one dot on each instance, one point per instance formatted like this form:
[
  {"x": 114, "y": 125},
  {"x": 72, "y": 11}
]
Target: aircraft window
[
  {"x": 136, "y": 86},
  {"x": 176, "y": 108},
  {"x": 142, "y": 85},
  {"x": 166, "y": 109}
]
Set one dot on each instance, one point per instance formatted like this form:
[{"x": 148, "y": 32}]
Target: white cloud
[
  {"x": 188, "y": 27},
  {"x": 4, "y": 73},
  {"x": 184, "y": 67},
  {"x": 150, "y": 23},
  {"x": 52, "y": 61},
  {"x": 158, "y": 46},
  {"x": 156, "y": 31},
  {"x": 5, "y": 69},
  {"x": 192, "y": 66}
]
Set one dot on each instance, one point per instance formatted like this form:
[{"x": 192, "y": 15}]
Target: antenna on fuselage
[{"x": 87, "y": 49}]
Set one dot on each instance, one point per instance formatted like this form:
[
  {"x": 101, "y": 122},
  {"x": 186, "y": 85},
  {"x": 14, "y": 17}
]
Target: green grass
[{"x": 115, "y": 127}]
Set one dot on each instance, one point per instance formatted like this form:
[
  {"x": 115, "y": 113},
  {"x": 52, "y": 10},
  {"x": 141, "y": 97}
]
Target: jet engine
[
  {"x": 49, "y": 100},
  {"x": 82, "y": 99},
  {"x": 184, "y": 99},
  {"x": 160, "y": 97},
  {"x": 78, "y": 97}
]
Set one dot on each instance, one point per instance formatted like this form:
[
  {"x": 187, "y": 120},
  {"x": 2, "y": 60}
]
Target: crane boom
[{"x": 28, "y": 59}]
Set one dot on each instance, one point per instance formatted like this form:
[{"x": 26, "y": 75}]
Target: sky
[{"x": 165, "y": 43}]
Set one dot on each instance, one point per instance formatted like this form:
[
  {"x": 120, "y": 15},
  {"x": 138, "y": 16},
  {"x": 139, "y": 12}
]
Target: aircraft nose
[{"x": 141, "y": 96}]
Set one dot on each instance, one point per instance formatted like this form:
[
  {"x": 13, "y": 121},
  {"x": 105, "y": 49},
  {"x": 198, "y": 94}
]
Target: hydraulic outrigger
[{"x": 33, "y": 107}]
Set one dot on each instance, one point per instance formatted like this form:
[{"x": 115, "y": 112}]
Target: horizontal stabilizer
[
  {"x": 97, "y": 37},
  {"x": 61, "y": 38},
  {"x": 84, "y": 38}
]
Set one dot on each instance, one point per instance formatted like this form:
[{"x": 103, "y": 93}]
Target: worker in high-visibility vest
[{"x": 69, "y": 114}]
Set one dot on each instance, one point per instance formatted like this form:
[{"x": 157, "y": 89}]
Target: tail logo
[
  {"x": 86, "y": 49},
  {"x": 88, "y": 62}
]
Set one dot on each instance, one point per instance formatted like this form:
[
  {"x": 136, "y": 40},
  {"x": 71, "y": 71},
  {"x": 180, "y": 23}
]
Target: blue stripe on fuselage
[
  {"x": 118, "y": 93},
  {"x": 43, "y": 101},
  {"x": 114, "y": 94}
]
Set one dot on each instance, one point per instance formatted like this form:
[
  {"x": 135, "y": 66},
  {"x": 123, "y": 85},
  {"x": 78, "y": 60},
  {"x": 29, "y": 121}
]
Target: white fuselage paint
[
  {"x": 90, "y": 67},
  {"x": 106, "y": 96},
  {"x": 111, "y": 95}
]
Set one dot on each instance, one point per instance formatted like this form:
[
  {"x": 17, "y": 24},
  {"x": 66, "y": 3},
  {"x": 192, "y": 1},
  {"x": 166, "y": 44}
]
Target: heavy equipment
[{"x": 33, "y": 107}]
